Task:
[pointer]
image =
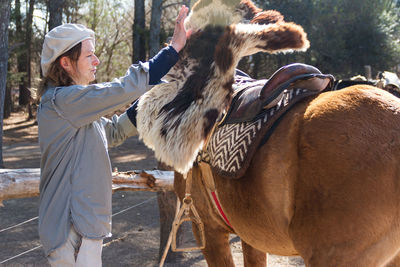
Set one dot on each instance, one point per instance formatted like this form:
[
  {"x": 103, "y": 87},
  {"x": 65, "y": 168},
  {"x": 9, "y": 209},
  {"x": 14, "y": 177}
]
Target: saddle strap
[{"x": 208, "y": 179}]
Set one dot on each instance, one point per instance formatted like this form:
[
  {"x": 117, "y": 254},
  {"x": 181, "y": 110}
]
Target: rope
[
  {"x": 35, "y": 218},
  {"x": 11, "y": 227},
  {"x": 21, "y": 254},
  {"x": 169, "y": 241},
  {"x": 25, "y": 252},
  {"x": 134, "y": 206}
]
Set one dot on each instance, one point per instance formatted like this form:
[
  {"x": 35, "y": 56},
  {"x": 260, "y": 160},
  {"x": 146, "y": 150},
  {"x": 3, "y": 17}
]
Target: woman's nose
[{"x": 96, "y": 61}]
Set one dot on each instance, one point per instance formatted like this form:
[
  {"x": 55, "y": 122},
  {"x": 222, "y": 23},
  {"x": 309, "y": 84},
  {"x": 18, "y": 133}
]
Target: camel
[{"x": 324, "y": 186}]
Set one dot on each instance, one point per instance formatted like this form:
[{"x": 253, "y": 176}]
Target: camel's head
[
  {"x": 174, "y": 119},
  {"x": 240, "y": 25},
  {"x": 224, "y": 31}
]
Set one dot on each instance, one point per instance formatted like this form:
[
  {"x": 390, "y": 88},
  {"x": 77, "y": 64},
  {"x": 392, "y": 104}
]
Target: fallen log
[{"x": 22, "y": 183}]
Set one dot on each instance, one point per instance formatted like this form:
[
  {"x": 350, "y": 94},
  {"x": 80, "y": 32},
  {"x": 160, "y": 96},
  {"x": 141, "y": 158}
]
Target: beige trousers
[{"x": 77, "y": 252}]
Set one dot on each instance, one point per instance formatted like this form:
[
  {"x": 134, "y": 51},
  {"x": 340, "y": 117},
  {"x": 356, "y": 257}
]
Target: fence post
[{"x": 167, "y": 202}]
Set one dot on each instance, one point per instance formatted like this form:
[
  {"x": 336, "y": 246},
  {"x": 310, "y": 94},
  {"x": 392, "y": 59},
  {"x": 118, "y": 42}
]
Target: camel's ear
[
  {"x": 248, "y": 39},
  {"x": 250, "y": 12},
  {"x": 248, "y": 9},
  {"x": 284, "y": 37},
  {"x": 267, "y": 17}
]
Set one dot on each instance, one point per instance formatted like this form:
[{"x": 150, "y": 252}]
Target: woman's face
[{"x": 84, "y": 71}]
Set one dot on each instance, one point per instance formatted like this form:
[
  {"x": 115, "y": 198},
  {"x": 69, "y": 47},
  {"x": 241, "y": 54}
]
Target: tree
[
  {"x": 154, "y": 41},
  {"x": 5, "y": 7},
  {"x": 113, "y": 36},
  {"x": 8, "y": 103},
  {"x": 138, "y": 27},
  {"x": 23, "y": 36},
  {"x": 55, "y": 10},
  {"x": 345, "y": 35},
  {"x": 24, "y": 93},
  {"x": 72, "y": 10},
  {"x": 28, "y": 46},
  {"x": 156, "y": 33}
]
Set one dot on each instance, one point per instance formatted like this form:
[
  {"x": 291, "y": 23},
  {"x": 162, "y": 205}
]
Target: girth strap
[{"x": 208, "y": 179}]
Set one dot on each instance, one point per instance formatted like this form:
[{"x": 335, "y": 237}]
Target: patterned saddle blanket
[{"x": 233, "y": 143}]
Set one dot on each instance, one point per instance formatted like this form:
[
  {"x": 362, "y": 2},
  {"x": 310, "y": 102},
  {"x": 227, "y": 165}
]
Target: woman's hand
[{"x": 180, "y": 35}]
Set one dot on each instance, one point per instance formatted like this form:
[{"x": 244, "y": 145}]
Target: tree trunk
[
  {"x": 8, "y": 100},
  {"x": 110, "y": 53},
  {"x": 154, "y": 40},
  {"x": 95, "y": 15},
  {"x": 55, "y": 10},
  {"x": 4, "y": 22},
  {"x": 24, "y": 93},
  {"x": 28, "y": 39},
  {"x": 138, "y": 27},
  {"x": 167, "y": 204},
  {"x": 54, "y": 13},
  {"x": 8, "y": 104},
  {"x": 22, "y": 183}
]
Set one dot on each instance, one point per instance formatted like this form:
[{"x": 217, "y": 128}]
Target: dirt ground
[{"x": 135, "y": 240}]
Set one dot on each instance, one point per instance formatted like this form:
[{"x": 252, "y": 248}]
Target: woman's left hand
[{"x": 180, "y": 35}]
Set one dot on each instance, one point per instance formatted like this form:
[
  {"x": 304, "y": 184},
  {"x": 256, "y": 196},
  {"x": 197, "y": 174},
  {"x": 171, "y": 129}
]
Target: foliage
[
  {"x": 345, "y": 35},
  {"x": 112, "y": 25}
]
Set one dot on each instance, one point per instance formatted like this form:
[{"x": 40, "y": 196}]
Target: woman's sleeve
[
  {"x": 118, "y": 129},
  {"x": 161, "y": 63},
  {"x": 81, "y": 105}
]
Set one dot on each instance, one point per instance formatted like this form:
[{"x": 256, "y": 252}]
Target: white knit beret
[{"x": 59, "y": 40}]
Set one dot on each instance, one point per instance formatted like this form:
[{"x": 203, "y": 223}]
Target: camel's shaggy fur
[
  {"x": 175, "y": 118},
  {"x": 213, "y": 12}
]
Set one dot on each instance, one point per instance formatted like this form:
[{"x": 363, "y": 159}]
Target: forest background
[{"x": 345, "y": 36}]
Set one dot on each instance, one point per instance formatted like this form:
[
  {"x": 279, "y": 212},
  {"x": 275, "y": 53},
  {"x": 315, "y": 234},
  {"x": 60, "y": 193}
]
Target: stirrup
[{"x": 184, "y": 216}]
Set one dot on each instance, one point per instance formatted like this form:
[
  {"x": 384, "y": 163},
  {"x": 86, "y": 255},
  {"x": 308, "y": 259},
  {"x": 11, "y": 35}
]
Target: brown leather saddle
[
  {"x": 263, "y": 94},
  {"x": 255, "y": 110}
]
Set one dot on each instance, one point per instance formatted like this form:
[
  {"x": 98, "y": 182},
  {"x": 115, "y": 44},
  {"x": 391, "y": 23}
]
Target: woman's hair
[{"x": 57, "y": 75}]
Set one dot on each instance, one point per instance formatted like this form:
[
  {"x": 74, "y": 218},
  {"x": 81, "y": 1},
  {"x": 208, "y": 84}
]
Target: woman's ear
[{"x": 65, "y": 63}]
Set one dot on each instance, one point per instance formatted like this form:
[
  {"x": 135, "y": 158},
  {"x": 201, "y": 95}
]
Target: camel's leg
[
  {"x": 253, "y": 257},
  {"x": 217, "y": 251}
]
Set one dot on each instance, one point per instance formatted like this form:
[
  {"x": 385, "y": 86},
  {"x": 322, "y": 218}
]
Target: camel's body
[{"x": 325, "y": 186}]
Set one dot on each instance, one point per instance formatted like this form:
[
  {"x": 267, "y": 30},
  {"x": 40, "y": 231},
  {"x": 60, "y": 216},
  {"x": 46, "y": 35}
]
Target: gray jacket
[{"x": 75, "y": 183}]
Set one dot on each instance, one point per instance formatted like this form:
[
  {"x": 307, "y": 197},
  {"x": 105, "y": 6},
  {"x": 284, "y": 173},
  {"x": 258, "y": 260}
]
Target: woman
[{"x": 75, "y": 185}]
